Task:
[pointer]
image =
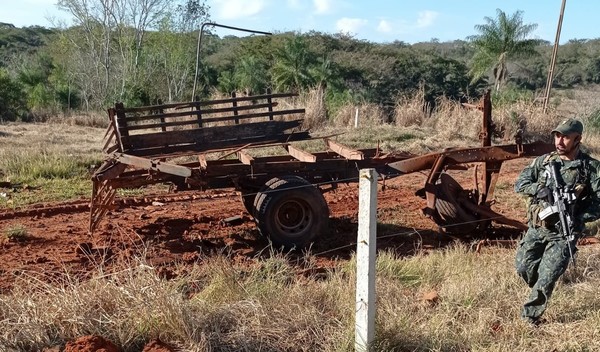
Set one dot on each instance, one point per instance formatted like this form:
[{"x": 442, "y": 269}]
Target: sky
[{"x": 381, "y": 21}]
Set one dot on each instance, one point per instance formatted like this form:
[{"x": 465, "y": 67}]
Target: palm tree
[
  {"x": 250, "y": 75},
  {"x": 501, "y": 40},
  {"x": 292, "y": 63}
]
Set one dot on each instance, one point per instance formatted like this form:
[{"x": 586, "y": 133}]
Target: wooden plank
[
  {"x": 193, "y": 148},
  {"x": 245, "y": 158},
  {"x": 277, "y": 167},
  {"x": 210, "y": 135},
  {"x": 235, "y": 108},
  {"x": 144, "y": 163},
  {"x": 202, "y": 161},
  {"x": 102, "y": 195},
  {"x": 231, "y": 152},
  {"x": 112, "y": 114},
  {"x": 110, "y": 171},
  {"x": 112, "y": 149},
  {"x": 301, "y": 154},
  {"x": 270, "y": 103},
  {"x": 197, "y": 112},
  {"x": 214, "y": 119},
  {"x": 346, "y": 152},
  {"x": 110, "y": 129},
  {"x": 110, "y": 141},
  {"x": 209, "y": 102},
  {"x": 199, "y": 118}
]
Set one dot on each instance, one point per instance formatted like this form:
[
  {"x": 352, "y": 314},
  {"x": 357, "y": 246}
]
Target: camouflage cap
[{"x": 569, "y": 126}]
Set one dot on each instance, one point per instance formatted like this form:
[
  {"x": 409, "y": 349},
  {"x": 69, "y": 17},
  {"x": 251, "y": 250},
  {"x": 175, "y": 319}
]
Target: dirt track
[{"x": 188, "y": 231}]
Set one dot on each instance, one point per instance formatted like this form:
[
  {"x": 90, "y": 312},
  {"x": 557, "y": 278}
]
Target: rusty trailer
[{"x": 173, "y": 143}]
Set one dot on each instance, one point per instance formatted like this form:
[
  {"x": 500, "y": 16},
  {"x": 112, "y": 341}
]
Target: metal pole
[
  {"x": 553, "y": 59},
  {"x": 200, "y": 34}
]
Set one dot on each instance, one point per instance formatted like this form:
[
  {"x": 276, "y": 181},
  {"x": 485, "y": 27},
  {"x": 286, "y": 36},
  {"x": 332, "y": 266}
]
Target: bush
[
  {"x": 511, "y": 95},
  {"x": 12, "y": 101}
]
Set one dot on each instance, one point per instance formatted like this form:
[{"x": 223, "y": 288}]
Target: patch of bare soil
[
  {"x": 90, "y": 343},
  {"x": 186, "y": 232},
  {"x": 157, "y": 345}
]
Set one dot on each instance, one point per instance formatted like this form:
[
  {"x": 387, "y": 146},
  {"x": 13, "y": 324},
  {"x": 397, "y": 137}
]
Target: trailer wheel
[
  {"x": 250, "y": 195},
  {"x": 291, "y": 212},
  {"x": 454, "y": 218}
]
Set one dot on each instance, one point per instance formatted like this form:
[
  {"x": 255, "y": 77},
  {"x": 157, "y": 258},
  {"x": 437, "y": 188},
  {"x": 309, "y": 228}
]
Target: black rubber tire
[
  {"x": 291, "y": 212},
  {"x": 248, "y": 197},
  {"x": 454, "y": 218}
]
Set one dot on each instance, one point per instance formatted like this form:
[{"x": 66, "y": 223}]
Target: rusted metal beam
[
  {"x": 434, "y": 174},
  {"x": 488, "y": 213},
  {"x": 490, "y": 167},
  {"x": 470, "y": 155}
]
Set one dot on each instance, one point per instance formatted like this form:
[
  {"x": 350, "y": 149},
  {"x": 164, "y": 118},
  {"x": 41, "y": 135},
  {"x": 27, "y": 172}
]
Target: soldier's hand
[
  {"x": 543, "y": 193},
  {"x": 578, "y": 190}
]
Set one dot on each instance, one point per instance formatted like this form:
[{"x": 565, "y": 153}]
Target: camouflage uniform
[{"x": 543, "y": 254}]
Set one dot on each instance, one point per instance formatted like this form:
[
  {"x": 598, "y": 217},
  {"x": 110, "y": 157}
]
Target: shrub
[
  {"x": 16, "y": 233},
  {"x": 12, "y": 101}
]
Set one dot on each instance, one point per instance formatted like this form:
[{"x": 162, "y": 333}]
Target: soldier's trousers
[{"x": 542, "y": 257}]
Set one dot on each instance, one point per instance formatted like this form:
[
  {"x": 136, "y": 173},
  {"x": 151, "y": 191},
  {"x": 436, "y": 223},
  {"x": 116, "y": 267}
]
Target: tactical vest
[
  {"x": 576, "y": 176},
  {"x": 573, "y": 172}
]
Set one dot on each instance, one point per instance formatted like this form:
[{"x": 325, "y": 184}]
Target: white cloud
[
  {"x": 426, "y": 18},
  {"x": 323, "y": 6},
  {"x": 294, "y": 4},
  {"x": 236, "y": 9},
  {"x": 384, "y": 26},
  {"x": 350, "y": 25}
]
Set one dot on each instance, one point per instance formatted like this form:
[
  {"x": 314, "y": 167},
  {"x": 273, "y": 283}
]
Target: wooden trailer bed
[{"x": 170, "y": 143}]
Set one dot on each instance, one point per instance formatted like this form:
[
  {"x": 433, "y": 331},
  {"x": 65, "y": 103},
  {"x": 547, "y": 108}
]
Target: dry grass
[
  {"x": 220, "y": 306},
  {"x": 89, "y": 119},
  {"x": 47, "y": 161},
  {"x": 56, "y": 138},
  {"x": 217, "y": 306}
]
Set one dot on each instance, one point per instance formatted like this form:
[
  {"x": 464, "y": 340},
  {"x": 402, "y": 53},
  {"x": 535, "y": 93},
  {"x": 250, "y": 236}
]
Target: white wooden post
[
  {"x": 356, "y": 118},
  {"x": 365, "y": 260}
]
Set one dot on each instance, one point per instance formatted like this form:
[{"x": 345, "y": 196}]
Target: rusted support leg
[{"x": 434, "y": 174}]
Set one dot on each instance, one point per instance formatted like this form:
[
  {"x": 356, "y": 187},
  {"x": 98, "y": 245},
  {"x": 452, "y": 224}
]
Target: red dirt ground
[{"x": 188, "y": 231}]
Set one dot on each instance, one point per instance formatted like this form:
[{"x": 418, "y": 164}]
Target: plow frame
[{"x": 489, "y": 156}]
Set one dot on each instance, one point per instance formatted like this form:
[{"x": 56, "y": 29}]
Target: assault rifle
[{"x": 561, "y": 202}]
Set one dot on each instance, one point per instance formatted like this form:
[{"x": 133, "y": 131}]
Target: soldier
[{"x": 544, "y": 252}]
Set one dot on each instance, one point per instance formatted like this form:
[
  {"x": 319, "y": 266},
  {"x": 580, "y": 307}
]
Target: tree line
[{"x": 143, "y": 52}]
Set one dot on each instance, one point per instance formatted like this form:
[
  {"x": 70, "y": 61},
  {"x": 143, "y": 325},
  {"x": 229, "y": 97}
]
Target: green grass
[
  {"x": 16, "y": 233},
  {"x": 45, "y": 176},
  {"x": 47, "y": 190},
  {"x": 28, "y": 166}
]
